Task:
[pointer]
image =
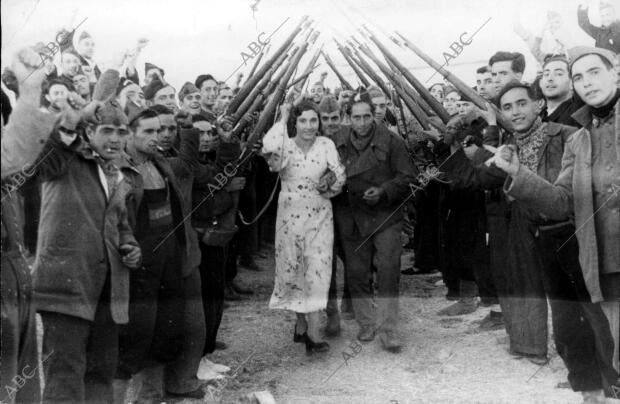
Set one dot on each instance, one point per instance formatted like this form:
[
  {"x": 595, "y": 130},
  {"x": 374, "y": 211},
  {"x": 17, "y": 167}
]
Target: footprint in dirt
[{"x": 450, "y": 322}]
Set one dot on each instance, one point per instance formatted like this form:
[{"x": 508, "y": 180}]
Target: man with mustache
[
  {"x": 586, "y": 187},
  {"x": 370, "y": 217}
]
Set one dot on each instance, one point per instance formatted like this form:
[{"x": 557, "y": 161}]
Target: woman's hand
[{"x": 326, "y": 181}]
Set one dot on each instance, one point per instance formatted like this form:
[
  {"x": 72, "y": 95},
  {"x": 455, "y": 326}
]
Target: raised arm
[
  {"x": 277, "y": 148},
  {"x": 187, "y": 160},
  {"x": 585, "y": 24},
  {"x": 24, "y": 137}
]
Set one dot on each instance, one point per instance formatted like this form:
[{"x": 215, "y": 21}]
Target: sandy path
[{"x": 444, "y": 359}]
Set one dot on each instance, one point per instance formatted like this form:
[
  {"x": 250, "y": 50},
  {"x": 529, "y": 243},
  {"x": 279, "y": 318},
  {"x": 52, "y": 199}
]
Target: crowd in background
[{"x": 128, "y": 206}]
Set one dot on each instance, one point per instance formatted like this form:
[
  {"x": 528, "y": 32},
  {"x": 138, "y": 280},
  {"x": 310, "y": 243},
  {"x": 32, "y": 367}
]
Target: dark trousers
[
  {"x": 19, "y": 374},
  {"x": 213, "y": 282},
  {"x": 383, "y": 250},
  {"x": 156, "y": 306},
  {"x": 332, "y": 296},
  {"x": 581, "y": 330},
  {"x": 425, "y": 234},
  {"x": 180, "y": 375},
  {"x": 80, "y": 357},
  {"x": 230, "y": 261}
]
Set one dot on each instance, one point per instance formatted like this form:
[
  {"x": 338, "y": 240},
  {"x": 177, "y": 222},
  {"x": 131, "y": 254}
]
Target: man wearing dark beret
[
  {"x": 151, "y": 72},
  {"x": 160, "y": 93}
]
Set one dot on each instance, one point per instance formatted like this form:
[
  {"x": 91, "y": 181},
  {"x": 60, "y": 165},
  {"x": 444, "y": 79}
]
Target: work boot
[
  {"x": 467, "y": 303},
  {"x": 247, "y": 262},
  {"x": 333, "y": 325},
  {"x": 240, "y": 289},
  {"x": 230, "y": 294},
  {"x": 366, "y": 333},
  {"x": 390, "y": 341},
  {"x": 493, "y": 321}
]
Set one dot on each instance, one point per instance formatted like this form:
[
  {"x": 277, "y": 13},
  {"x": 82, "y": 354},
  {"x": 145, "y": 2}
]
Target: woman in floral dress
[{"x": 304, "y": 225}]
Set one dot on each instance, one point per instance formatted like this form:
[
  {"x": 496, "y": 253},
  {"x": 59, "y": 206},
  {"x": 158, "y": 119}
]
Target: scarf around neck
[{"x": 529, "y": 143}]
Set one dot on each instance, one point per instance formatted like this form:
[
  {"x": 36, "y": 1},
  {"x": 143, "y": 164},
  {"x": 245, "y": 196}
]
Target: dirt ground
[{"x": 444, "y": 360}]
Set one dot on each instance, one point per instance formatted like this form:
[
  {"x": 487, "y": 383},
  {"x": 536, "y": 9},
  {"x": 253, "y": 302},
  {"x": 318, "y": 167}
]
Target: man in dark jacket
[
  {"x": 555, "y": 85},
  {"x": 607, "y": 36},
  {"x": 155, "y": 331},
  {"x": 587, "y": 187},
  {"x": 84, "y": 250},
  {"x": 370, "y": 216},
  {"x": 537, "y": 268}
]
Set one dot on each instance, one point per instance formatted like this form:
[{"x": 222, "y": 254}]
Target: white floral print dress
[{"x": 304, "y": 224}]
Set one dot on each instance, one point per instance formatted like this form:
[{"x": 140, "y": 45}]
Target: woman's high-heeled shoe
[{"x": 315, "y": 347}]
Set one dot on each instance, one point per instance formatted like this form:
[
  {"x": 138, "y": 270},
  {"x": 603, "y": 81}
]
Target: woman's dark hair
[{"x": 296, "y": 111}]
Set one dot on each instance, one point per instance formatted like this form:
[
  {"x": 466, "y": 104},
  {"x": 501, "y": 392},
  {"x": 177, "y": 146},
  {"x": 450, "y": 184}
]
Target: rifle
[
  {"x": 228, "y": 220},
  {"x": 368, "y": 70},
  {"x": 300, "y": 84},
  {"x": 253, "y": 81},
  {"x": 403, "y": 91},
  {"x": 345, "y": 84},
  {"x": 242, "y": 109},
  {"x": 356, "y": 69},
  {"x": 423, "y": 91},
  {"x": 467, "y": 91},
  {"x": 258, "y": 59}
]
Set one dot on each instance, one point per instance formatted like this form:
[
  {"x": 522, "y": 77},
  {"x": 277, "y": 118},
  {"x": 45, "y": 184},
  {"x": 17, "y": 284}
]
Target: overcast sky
[{"x": 190, "y": 37}]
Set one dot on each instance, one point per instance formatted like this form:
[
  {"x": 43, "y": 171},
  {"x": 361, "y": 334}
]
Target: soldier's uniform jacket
[{"x": 383, "y": 163}]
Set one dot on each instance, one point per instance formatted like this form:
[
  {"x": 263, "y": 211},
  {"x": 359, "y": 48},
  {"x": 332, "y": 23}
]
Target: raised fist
[{"x": 507, "y": 160}]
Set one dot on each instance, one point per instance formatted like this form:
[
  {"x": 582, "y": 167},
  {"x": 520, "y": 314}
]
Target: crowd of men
[{"x": 115, "y": 234}]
